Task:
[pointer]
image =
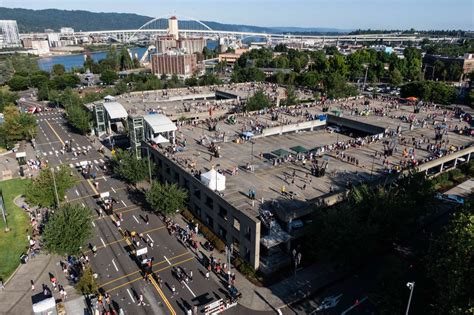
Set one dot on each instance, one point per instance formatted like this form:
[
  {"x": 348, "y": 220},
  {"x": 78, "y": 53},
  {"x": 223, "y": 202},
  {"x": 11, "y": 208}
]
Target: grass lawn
[{"x": 14, "y": 242}]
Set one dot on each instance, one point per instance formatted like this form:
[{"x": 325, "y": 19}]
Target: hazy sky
[{"x": 344, "y": 14}]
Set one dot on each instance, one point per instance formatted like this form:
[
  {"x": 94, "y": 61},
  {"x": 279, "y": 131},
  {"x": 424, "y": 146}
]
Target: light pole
[
  {"x": 411, "y": 286},
  {"x": 55, "y": 188}
]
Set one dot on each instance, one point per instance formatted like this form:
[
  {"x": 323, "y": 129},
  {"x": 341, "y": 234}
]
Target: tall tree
[
  {"x": 257, "y": 101},
  {"x": 68, "y": 229},
  {"x": 166, "y": 198},
  {"x": 17, "y": 126},
  {"x": 126, "y": 164},
  {"x": 58, "y": 69},
  {"x": 41, "y": 191},
  {"x": 109, "y": 77}
]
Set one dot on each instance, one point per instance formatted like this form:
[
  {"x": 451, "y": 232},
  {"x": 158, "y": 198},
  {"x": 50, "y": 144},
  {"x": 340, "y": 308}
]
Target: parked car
[{"x": 451, "y": 198}]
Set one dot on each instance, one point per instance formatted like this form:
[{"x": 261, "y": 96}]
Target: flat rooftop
[{"x": 267, "y": 179}]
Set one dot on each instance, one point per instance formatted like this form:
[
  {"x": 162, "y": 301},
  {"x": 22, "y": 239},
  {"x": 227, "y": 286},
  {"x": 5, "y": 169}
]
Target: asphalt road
[{"x": 118, "y": 273}]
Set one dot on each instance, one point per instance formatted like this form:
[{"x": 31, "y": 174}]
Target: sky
[{"x": 341, "y": 14}]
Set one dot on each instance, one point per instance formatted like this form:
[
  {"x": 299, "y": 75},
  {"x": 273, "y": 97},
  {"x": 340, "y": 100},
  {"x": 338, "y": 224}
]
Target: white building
[{"x": 9, "y": 36}]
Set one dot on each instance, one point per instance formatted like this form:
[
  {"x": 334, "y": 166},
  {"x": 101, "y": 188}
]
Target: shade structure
[
  {"x": 160, "y": 139},
  {"x": 299, "y": 149},
  {"x": 412, "y": 99},
  {"x": 247, "y": 134},
  {"x": 280, "y": 153},
  {"x": 214, "y": 180}
]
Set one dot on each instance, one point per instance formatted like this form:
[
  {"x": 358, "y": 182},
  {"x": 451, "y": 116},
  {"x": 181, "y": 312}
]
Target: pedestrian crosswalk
[
  {"x": 78, "y": 164},
  {"x": 51, "y": 119}
]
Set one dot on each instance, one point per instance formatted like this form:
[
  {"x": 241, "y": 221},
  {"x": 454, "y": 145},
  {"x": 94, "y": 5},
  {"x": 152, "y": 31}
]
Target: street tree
[
  {"x": 18, "y": 83},
  {"x": 128, "y": 166},
  {"x": 87, "y": 283},
  {"x": 68, "y": 229},
  {"x": 79, "y": 118},
  {"x": 41, "y": 190},
  {"x": 257, "y": 101},
  {"x": 396, "y": 77},
  {"x": 7, "y": 98},
  {"x": 166, "y": 198},
  {"x": 16, "y": 126},
  {"x": 58, "y": 69},
  {"x": 291, "y": 96}
]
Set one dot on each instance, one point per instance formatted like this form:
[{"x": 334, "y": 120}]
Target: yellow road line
[
  {"x": 160, "y": 292},
  {"x": 54, "y": 131},
  {"x": 136, "y": 279},
  {"x": 135, "y": 272},
  {"x": 92, "y": 186}
]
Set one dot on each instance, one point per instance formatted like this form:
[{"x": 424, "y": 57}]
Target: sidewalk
[
  {"x": 16, "y": 298},
  {"x": 279, "y": 295}
]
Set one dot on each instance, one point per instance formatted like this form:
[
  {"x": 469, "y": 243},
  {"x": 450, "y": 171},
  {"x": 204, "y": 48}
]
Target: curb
[{"x": 13, "y": 274}]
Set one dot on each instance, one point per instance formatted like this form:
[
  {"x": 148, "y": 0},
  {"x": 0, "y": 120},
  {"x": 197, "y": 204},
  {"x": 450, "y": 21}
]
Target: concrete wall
[
  {"x": 279, "y": 130},
  {"x": 354, "y": 124},
  {"x": 207, "y": 204}
]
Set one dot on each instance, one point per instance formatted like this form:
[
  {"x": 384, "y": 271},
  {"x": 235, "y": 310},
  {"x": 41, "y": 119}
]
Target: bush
[
  {"x": 456, "y": 175},
  {"x": 208, "y": 234}
]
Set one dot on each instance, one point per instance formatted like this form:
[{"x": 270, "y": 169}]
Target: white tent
[
  {"x": 213, "y": 180},
  {"x": 160, "y": 139}
]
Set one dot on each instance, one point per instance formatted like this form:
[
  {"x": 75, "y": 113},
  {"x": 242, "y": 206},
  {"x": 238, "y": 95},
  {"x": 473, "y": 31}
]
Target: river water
[{"x": 70, "y": 61}]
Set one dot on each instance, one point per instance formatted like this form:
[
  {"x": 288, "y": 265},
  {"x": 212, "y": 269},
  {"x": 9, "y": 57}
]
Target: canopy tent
[
  {"x": 299, "y": 149},
  {"x": 214, "y": 180},
  {"x": 247, "y": 134},
  {"x": 46, "y": 306},
  {"x": 160, "y": 139},
  {"x": 412, "y": 99},
  {"x": 280, "y": 153},
  {"x": 109, "y": 98},
  {"x": 159, "y": 123},
  {"x": 115, "y": 110}
]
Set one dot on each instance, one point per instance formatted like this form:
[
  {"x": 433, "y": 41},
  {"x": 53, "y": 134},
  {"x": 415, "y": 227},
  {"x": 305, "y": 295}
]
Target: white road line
[
  {"x": 96, "y": 162},
  {"x": 194, "y": 295},
  {"x": 96, "y": 168},
  {"x": 45, "y": 154},
  {"x": 123, "y": 203},
  {"x": 113, "y": 189},
  {"x": 57, "y": 152},
  {"x": 93, "y": 224},
  {"x": 83, "y": 205},
  {"x": 71, "y": 165},
  {"x": 136, "y": 219},
  {"x": 105, "y": 179},
  {"x": 101, "y": 161},
  {"x": 149, "y": 237},
  {"x": 60, "y": 162},
  {"x": 114, "y": 265},
  {"x": 78, "y": 164},
  {"x": 131, "y": 296},
  {"x": 167, "y": 260},
  {"x": 84, "y": 147},
  {"x": 50, "y": 152},
  {"x": 77, "y": 193},
  {"x": 103, "y": 243}
]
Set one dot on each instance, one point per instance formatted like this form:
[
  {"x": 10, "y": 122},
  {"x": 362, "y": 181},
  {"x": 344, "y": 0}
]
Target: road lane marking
[
  {"x": 115, "y": 265},
  {"x": 149, "y": 237},
  {"x": 105, "y": 179},
  {"x": 103, "y": 242},
  {"x": 160, "y": 292},
  {"x": 113, "y": 190},
  {"x": 136, "y": 219},
  {"x": 93, "y": 224},
  {"x": 83, "y": 205},
  {"x": 92, "y": 186},
  {"x": 133, "y": 300},
  {"x": 167, "y": 260},
  {"x": 194, "y": 295},
  {"x": 135, "y": 272},
  {"x": 77, "y": 193},
  {"x": 123, "y": 203},
  {"x": 55, "y": 133},
  {"x": 101, "y": 161}
]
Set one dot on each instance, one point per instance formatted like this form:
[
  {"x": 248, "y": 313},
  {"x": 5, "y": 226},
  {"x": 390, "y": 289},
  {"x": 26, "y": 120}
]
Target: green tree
[
  {"x": 291, "y": 97},
  {"x": 7, "y": 98},
  {"x": 121, "y": 87},
  {"x": 41, "y": 192},
  {"x": 209, "y": 79},
  {"x": 87, "y": 283},
  {"x": 257, "y": 101},
  {"x": 166, "y": 198},
  {"x": 16, "y": 126},
  {"x": 396, "y": 77},
  {"x": 108, "y": 77},
  {"x": 58, "y": 69},
  {"x": 449, "y": 264},
  {"x": 192, "y": 81},
  {"x": 67, "y": 80},
  {"x": 125, "y": 60},
  {"x": 68, "y": 229},
  {"x": 338, "y": 65},
  {"x": 79, "y": 117},
  {"x": 18, "y": 83},
  {"x": 132, "y": 169}
]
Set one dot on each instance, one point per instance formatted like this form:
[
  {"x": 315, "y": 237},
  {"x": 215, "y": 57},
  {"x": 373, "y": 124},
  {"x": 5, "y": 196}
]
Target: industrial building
[
  {"x": 255, "y": 178},
  {"x": 183, "y": 65}
]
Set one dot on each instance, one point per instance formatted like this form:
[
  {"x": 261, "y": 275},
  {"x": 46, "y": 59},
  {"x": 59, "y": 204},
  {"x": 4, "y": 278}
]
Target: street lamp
[{"x": 411, "y": 286}]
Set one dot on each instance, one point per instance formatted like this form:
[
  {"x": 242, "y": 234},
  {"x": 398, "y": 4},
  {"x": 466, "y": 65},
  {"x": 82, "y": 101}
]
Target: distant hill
[{"x": 39, "y": 20}]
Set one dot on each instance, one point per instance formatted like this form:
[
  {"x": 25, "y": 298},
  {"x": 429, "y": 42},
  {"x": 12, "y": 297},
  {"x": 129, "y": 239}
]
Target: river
[{"x": 71, "y": 61}]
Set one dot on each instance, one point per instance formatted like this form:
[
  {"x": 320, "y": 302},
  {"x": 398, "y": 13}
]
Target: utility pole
[
  {"x": 411, "y": 286},
  {"x": 55, "y": 188}
]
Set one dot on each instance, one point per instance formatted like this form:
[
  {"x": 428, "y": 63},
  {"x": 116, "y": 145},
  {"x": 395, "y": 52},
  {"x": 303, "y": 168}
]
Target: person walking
[
  {"x": 207, "y": 275},
  {"x": 140, "y": 300},
  {"x": 32, "y": 285},
  {"x": 191, "y": 275},
  {"x": 146, "y": 219},
  {"x": 173, "y": 289}
]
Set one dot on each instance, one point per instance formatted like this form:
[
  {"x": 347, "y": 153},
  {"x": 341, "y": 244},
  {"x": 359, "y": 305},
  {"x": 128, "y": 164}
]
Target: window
[
  {"x": 223, "y": 213},
  {"x": 167, "y": 169},
  {"x": 222, "y": 232},
  {"x": 176, "y": 177},
  {"x": 209, "y": 202},
  {"x": 197, "y": 210},
  {"x": 248, "y": 233},
  {"x": 197, "y": 193},
  {"x": 186, "y": 184},
  {"x": 236, "y": 224},
  {"x": 209, "y": 222}
]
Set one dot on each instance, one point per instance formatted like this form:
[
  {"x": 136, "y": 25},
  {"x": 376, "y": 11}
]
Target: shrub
[{"x": 208, "y": 234}]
